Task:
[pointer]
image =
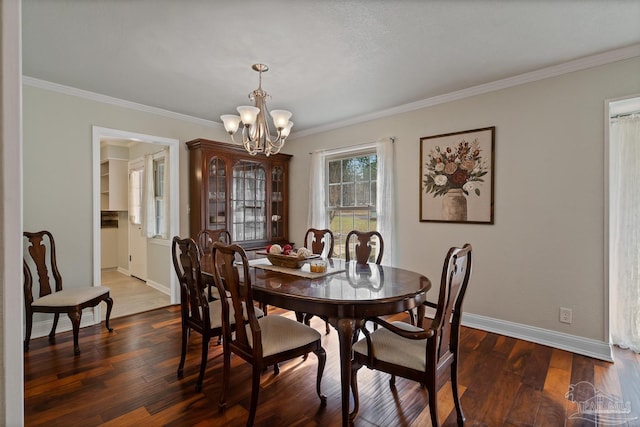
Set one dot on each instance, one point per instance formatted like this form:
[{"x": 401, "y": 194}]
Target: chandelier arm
[{"x": 257, "y": 136}]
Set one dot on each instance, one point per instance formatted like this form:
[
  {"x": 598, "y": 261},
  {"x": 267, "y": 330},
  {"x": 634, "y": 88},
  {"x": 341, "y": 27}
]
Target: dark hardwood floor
[{"x": 128, "y": 378}]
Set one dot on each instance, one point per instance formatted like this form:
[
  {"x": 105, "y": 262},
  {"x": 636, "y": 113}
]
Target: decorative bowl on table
[{"x": 287, "y": 261}]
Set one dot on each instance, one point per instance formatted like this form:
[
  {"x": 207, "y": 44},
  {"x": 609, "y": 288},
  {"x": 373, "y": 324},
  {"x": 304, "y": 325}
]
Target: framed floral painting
[{"x": 456, "y": 177}]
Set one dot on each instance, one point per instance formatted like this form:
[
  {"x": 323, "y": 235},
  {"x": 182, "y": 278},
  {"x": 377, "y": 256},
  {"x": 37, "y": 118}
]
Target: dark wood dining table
[{"x": 346, "y": 295}]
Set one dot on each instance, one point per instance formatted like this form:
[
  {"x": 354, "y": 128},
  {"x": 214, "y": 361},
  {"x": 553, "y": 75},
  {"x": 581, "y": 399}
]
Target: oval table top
[{"x": 347, "y": 289}]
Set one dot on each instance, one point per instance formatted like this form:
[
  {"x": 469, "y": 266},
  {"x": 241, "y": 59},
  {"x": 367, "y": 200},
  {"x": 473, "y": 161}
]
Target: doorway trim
[{"x": 99, "y": 133}]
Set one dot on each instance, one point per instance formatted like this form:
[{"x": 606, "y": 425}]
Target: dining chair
[
  {"x": 56, "y": 300},
  {"x": 361, "y": 243},
  {"x": 264, "y": 341},
  {"x": 320, "y": 242},
  {"x": 198, "y": 313},
  {"x": 423, "y": 355},
  {"x": 204, "y": 241}
]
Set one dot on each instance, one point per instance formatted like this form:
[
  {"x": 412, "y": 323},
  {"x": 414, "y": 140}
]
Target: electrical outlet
[{"x": 566, "y": 315}]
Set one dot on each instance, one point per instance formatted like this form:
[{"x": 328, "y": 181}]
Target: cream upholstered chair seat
[
  {"x": 70, "y": 297},
  {"x": 280, "y": 334},
  {"x": 393, "y": 348}
]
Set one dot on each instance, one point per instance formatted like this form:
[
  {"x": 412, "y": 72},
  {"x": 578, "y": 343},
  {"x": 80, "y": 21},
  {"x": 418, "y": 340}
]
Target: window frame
[
  {"x": 370, "y": 209},
  {"x": 159, "y": 164}
]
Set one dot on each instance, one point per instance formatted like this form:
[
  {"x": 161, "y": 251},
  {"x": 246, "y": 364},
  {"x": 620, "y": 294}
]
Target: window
[
  {"x": 158, "y": 189},
  {"x": 156, "y": 195},
  {"x": 351, "y": 195}
]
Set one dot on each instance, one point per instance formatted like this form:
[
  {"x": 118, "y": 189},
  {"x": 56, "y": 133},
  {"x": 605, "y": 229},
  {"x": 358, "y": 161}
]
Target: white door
[
  {"x": 138, "y": 252},
  {"x": 137, "y": 238}
]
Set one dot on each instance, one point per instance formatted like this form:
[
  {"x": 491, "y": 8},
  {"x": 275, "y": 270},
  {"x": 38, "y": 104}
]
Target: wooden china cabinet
[{"x": 231, "y": 189}]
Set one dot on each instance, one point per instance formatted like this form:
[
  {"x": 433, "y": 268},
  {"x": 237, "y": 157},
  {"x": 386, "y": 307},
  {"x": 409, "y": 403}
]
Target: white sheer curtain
[
  {"x": 317, "y": 217},
  {"x": 625, "y": 232},
  {"x": 386, "y": 200},
  {"x": 149, "y": 199}
]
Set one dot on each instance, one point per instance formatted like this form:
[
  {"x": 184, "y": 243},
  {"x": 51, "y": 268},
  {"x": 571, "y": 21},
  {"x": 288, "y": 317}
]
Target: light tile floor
[{"x": 131, "y": 295}]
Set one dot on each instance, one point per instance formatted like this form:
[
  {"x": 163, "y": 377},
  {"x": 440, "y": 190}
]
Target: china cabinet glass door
[
  {"x": 248, "y": 202},
  {"x": 217, "y": 195}
]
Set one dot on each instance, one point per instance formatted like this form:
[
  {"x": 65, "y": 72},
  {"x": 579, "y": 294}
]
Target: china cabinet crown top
[{"x": 229, "y": 148}]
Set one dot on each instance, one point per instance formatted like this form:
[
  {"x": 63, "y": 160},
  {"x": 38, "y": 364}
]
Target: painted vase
[{"x": 454, "y": 205}]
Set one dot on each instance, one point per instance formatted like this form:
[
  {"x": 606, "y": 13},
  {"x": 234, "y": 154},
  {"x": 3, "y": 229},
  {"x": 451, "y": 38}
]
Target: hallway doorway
[{"x": 159, "y": 272}]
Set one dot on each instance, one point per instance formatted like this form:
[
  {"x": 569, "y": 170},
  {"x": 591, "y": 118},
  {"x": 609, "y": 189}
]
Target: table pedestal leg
[{"x": 345, "y": 328}]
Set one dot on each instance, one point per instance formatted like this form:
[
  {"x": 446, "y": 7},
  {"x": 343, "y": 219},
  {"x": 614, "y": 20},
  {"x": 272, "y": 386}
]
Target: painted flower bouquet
[{"x": 455, "y": 167}]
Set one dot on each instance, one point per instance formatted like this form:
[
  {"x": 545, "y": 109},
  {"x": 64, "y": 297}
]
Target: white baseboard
[
  {"x": 123, "y": 271},
  {"x": 575, "y": 344},
  {"x": 159, "y": 287}
]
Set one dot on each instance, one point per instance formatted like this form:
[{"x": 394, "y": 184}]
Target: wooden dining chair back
[
  {"x": 204, "y": 240},
  {"x": 54, "y": 299},
  {"x": 197, "y": 312},
  {"x": 361, "y": 245},
  {"x": 264, "y": 341},
  {"x": 320, "y": 242},
  {"x": 424, "y": 355}
]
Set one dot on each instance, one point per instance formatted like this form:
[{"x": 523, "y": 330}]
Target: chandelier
[{"x": 256, "y": 133}]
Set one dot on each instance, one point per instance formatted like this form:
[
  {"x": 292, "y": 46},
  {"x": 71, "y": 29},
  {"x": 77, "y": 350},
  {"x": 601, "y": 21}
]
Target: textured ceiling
[{"x": 330, "y": 61}]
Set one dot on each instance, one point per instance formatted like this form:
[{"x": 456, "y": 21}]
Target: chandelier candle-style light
[{"x": 256, "y": 133}]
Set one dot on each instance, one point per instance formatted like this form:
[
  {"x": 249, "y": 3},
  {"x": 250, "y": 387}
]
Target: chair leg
[
  {"x": 433, "y": 401},
  {"x": 27, "y": 334},
  {"x": 203, "y": 362},
  {"x": 322, "y": 360},
  {"x": 392, "y": 381},
  {"x": 109, "y": 302},
  {"x": 183, "y": 352},
  {"x": 52, "y": 334},
  {"x": 226, "y": 368},
  {"x": 74, "y": 316},
  {"x": 255, "y": 389},
  {"x": 454, "y": 389}
]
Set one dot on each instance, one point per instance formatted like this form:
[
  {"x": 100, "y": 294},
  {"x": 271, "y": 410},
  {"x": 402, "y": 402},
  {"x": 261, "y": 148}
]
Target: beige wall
[
  {"x": 58, "y": 169},
  {"x": 546, "y": 248}
]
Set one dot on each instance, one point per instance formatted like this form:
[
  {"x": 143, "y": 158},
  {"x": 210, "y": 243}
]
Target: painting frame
[{"x": 457, "y": 176}]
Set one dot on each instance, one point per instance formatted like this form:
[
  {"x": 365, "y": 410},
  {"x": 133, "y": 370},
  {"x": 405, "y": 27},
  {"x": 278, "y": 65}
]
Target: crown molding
[
  {"x": 92, "y": 96},
  {"x": 532, "y": 76}
]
